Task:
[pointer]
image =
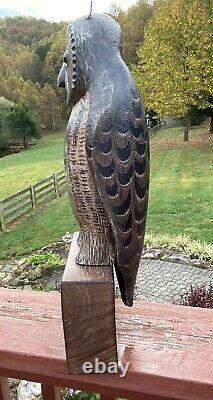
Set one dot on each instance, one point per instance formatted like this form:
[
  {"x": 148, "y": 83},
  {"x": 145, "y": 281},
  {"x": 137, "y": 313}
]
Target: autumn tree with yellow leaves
[{"x": 175, "y": 68}]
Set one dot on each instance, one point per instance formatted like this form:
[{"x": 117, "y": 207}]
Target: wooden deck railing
[
  {"x": 170, "y": 349},
  {"x": 18, "y": 204}
]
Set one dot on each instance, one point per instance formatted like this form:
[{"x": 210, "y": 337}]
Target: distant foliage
[
  {"x": 201, "y": 296},
  {"x": 5, "y": 106},
  {"x": 23, "y": 124},
  {"x": 54, "y": 57},
  {"x": 28, "y": 65},
  {"x": 25, "y": 30},
  {"x": 133, "y": 23},
  {"x": 25, "y": 45},
  {"x": 174, "y": 72}
]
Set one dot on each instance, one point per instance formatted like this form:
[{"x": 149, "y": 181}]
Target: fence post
[
  {"x": 56, "y": 187},
  {"x": 2, "y": 220},
  {"x": 33, "y": 198}
]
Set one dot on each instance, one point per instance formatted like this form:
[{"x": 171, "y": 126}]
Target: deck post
[
  {"x": 50, "y": 392},
  {"x": 4, "y": 389},
  {"x": 88, "y": 312}
]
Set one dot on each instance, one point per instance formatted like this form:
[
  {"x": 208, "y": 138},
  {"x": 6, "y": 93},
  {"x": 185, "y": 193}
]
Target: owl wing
[{"x": 119, "y": 161}]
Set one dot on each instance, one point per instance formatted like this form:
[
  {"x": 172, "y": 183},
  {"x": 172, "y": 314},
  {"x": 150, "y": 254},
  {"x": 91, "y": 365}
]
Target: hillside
[
  {"x": 23, "y": 169},
  {"x": 180, "y": 191}
]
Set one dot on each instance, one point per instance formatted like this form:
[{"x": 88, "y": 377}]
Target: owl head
[{"x": 91, "y": 44}]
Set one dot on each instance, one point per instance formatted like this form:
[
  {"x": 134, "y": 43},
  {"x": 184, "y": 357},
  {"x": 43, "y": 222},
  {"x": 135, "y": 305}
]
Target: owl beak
[{"x": 61, "y": 77}]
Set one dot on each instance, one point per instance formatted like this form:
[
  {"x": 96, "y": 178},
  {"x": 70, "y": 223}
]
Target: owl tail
[{"x": 126, "y": 284}]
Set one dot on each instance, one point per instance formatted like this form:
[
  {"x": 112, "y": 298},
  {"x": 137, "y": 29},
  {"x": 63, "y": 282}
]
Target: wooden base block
[{"x": 88, "y": 312}]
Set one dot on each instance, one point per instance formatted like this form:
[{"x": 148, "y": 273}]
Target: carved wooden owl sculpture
[{"x": 106, "y": 150}]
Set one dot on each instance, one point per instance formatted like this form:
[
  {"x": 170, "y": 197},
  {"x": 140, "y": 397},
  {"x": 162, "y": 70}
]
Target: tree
[
  {"x": 5, "y": 106},
  {"x": 31, "y": 96},
  {"x": 23, "y": 124},
  {"x": 115, "y": 10},
  {"x": 42, "y": 47},
  {"x": 5, "y": 60},
  {"x": 28, "y": 65},
  {"x": 54, "y": 57},
  {"x": 133, "y": 22},
  {"x": 11, "y": 86},
  {"x": 26, "y": 30},
  {"x": 174, "y": 73},
  {"x": 49, "y": 107}
]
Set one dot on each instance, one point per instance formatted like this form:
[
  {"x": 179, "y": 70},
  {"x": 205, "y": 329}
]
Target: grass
[
  {"x": 23, "y": 169},
  {"x": 181, "y": 185},
  {"x": 39, "y": 229},
  {"x": 180, "y": 196},
  {"x": 182, "y": 243}
]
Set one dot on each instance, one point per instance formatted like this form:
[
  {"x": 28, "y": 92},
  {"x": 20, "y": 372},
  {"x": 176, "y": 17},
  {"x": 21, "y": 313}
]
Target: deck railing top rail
[{"x": 170, "y": 348}]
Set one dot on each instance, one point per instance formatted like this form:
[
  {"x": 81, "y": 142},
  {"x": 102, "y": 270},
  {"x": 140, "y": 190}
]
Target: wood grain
[
  {"x": 50, "y": 392},
  {"x": 170, "y": 348},
  {"x": 4, "y": 389},
  {"x": 88, "y": 311}
]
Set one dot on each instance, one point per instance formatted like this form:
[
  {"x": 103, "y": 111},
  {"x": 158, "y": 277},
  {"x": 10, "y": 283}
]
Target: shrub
[
  {"x": 197, "y": 116},
  {"x": 200, "y": 296},
  {"x": 49, "y": 257},
  {"x": 195, "y": 248}
]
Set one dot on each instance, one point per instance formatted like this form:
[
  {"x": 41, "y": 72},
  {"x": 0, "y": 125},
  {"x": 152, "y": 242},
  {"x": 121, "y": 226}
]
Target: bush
[
  {"x": 195, "y": 248},
  {"x": 200, "y": 296},
  {"x": 197, "y": 116},
  {"x": 51, "y": 258}
]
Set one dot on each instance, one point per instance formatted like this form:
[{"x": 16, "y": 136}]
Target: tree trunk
[
  {"x": 186, "y": 130},
  {"x": 25, "y": 143},
  {"x": 211, "y": 124}
]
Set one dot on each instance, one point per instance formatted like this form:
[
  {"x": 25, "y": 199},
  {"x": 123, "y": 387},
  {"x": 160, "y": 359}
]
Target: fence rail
[{"x": 18, "y": 204}]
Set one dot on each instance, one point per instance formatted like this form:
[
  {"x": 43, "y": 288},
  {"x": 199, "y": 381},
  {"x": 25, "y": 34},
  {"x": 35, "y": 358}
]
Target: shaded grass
[
  {"x": 23, "y": 169},
  {"x": 180, "y": 197}
]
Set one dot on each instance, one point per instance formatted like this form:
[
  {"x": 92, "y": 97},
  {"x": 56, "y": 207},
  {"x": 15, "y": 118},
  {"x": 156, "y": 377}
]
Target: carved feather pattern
[
  {"x": 107, "y": 150},
  {"x": 119, "y": 159},
  {"x": 86, "y": 203}
]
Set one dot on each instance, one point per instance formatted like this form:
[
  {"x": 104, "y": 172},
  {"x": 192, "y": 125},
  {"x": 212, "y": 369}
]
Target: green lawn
[
  {"x": 23, "y": 169},
  {"x": 180, "y": 196},
  {"x": 39, "y": 229}
]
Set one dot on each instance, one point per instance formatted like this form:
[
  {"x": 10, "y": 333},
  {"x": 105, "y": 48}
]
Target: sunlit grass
[{"x": 23, "y": 169}]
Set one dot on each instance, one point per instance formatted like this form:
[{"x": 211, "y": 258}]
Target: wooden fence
[{"x": 18, "y": 204}]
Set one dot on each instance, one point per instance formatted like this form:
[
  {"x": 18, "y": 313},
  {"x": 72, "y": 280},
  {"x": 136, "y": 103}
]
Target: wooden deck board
[{"x": 170, "y": 348}]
